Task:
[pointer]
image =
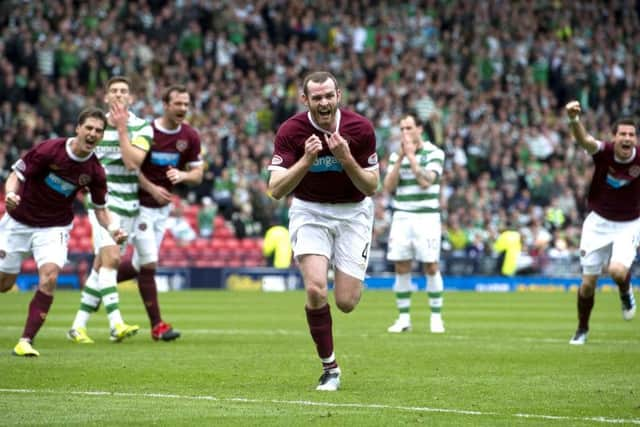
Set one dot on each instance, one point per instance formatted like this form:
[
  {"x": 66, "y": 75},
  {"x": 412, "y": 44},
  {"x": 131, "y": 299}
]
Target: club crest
[
  {"x": 181, "y": 145},
  {"x": 84, "y": 179},
  {"x": 634, "y": 171}
]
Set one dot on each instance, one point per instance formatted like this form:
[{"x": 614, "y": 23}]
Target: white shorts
[
  {"x": 102, "y": 238},
  {"x": 603, "y": 240},
  {"x": 17, "y": 241},
  {"x": 151, "y": 225},
  {"x": 415, "y": 236},
  {"x": 341, "y": 232}
]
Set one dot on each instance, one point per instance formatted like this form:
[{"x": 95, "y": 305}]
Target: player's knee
[
  {"x": 316, "y": 292},
  {"x": 618, "y": 272},
  {"x": 110, "y": 257},
  {"x": 347, "y": 305},
  {"x": 48, "y": 281},
  {"x": 431, "y": 268},
  {"x": 6, "y": 281}
]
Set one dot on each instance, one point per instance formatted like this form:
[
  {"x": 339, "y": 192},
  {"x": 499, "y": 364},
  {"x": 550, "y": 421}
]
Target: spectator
[{"x": 206, "y": 217}]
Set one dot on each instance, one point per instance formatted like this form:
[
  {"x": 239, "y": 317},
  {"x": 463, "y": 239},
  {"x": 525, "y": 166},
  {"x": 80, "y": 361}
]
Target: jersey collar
[
  {"x": 314, "y": 124},
  {"x": 73, "y": 156},
  {"x": 625, "y": 161}
]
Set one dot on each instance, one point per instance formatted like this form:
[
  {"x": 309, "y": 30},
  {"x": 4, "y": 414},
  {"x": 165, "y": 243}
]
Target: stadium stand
[{"x": 490, "y": 77}]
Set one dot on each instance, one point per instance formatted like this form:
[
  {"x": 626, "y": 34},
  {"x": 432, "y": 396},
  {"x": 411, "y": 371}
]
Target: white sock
[
  {"x": 435, "y": 288},
  {"x": 107, "y": 277},
  {"x": 89, "y": 301}
]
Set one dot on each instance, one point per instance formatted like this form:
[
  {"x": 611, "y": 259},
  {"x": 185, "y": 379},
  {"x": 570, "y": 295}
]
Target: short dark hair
[
  {"x": 166, "y": 95},
  {"x": 94, "y": 113},
  {"x": 631, "y": 121},
  {"x": 413, "y": 116},
  {"x": 317, "y": 77},
  {"x": 118, "y": 79}
]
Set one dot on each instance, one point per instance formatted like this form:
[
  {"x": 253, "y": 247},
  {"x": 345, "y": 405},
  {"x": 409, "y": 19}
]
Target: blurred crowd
[{"x": 489, "y": 79}]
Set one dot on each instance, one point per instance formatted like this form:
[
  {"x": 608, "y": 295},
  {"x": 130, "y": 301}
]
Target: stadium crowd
[{"x": 490, "y": 79}]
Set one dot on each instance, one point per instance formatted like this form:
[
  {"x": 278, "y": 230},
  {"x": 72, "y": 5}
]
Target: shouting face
[
  {"x": 322, "y": 101},
  {"x": 625, "y": 140},
  {"x": 175, "y": 111},
  {"x": 88, "y": 135}
]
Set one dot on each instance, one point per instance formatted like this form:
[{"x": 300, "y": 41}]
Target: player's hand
[
  {"x": 11, "y": 200},
  {"x": 120, "y": 236},
  {"x": 161, "y": 195},
  {"x": 119, "y": 115},
  {"x": 312, "y": 146},
  {"x": 339, "y": 146},
  {"x": 408, "y": 147},
  {"x": 573, "y": 110},
  {"x": 175, "y": 175}
]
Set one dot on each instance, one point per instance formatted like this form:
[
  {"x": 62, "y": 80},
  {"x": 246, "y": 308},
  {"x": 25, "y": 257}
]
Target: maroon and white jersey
[
  {"x": 175, "y": 148},
  {"x": 615, "y": 188},
  {"x": 51, "y": 176},
  {"x": 326, "y": 181}
]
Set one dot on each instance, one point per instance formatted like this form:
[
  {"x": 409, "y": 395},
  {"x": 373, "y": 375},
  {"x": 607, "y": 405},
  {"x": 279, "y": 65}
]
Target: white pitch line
[
  {"x": 305, "y": 333},
  {"x": 603, "y": 420}
]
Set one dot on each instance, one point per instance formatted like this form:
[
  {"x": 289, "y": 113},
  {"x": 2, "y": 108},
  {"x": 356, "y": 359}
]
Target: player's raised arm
[
  {"x": 132, "y": 154},
  {"x": 586, "y": 141}
]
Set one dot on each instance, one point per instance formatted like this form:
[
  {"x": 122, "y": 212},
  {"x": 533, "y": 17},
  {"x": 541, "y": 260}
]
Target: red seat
[
  {"x": 223, "y": 232},
  {"x": 29, "y": 265}
]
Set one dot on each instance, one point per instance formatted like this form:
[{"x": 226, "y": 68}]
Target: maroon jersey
[
  {"x": 326, "y": 181},
  {"x": 51, "y": 176},
  {"x": 171, "y": 148},
  {"x": 614, "y": 193}
]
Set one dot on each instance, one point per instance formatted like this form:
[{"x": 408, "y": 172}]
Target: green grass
[{"x": 246, "y": 358}]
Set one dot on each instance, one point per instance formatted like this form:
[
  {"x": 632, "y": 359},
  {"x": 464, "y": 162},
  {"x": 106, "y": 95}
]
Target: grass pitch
[{"x": 246, "y": 358}]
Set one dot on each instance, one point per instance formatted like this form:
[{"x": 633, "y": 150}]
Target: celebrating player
[
  {"x": 611, "y": 231},
  {"x": 39, "y": 196},
  {"x": 326, "y": 157},
  {"x": 174, "y": 158}
]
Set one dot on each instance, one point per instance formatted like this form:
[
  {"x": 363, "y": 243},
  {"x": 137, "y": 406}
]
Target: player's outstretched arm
[{"x": 578, "y": 131}]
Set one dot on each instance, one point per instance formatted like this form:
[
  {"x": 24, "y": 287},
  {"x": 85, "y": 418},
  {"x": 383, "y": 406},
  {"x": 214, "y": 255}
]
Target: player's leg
[
  {"x": 90, "y": 299},
  {"x": 586, "y": 300},
  {"x": 435, "y": 290},
  {"x": 318, "y": 312},
  {"x": 428, "y": 235},
  {"x": 402, "y": 288},
  {"x": 10, "y": 262},
  {"x": 400, "y": 252},
  {"x": 312, "y": 243},
  {"x": 151, "y": 228},
  {"x": 623, "y": 254},
  {"x": 90, "y": 296},
  {"x": 14, "y": 242},
  {"x": 595, "y": 251},
  {"x": 107, "y": 274},
  {"x": 49, "y": 248}
]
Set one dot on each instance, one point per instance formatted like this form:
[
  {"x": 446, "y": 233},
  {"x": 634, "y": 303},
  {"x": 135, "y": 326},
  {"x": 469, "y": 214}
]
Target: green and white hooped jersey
[
  {"x": 122, "y": 184},
  {"x": 409, "y": 196}
]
